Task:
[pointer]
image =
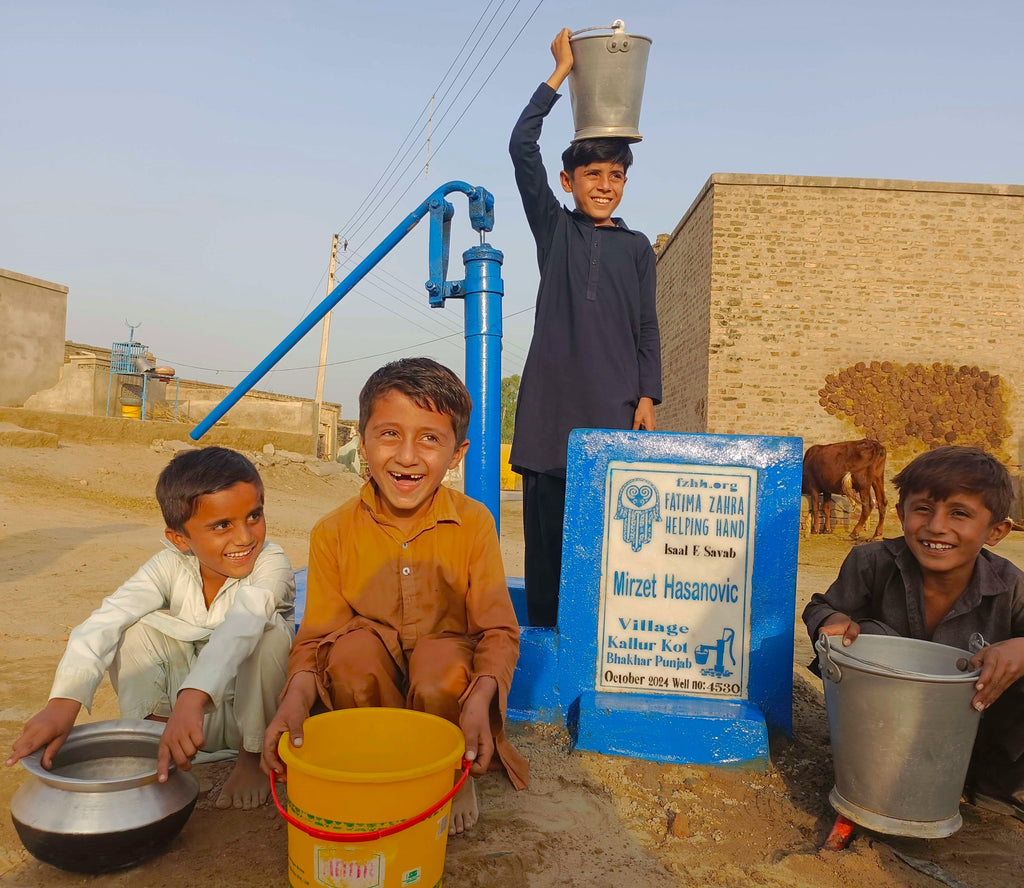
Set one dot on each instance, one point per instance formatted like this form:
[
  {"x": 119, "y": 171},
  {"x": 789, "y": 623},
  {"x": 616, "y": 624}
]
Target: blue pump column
[{"x": 484, "y": 289}]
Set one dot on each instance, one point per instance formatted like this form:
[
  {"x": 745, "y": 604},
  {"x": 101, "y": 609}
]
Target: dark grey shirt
[
  {"x": 880, "y": 586},
  {"x": 596, "y": 349}
]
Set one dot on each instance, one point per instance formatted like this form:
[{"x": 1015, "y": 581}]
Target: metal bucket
[
  {"x": 100, "y": 808},
  {"x": 902, "y": 726},
  {"x": 606, "y": 84}
]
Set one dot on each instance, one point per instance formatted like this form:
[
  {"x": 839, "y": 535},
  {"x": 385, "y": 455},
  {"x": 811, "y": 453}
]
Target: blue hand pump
[{"x": 482, "y": 291}]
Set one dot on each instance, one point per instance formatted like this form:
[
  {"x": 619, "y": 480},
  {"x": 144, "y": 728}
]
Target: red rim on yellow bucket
[{"x": 369, "y": 798}]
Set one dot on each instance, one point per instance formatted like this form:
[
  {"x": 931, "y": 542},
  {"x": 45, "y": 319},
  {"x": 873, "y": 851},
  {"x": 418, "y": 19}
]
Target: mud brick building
[{"x": 836, "y": 308}]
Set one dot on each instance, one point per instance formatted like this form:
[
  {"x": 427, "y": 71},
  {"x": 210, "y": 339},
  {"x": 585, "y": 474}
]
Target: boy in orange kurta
[{"x": 407, "y": 604}]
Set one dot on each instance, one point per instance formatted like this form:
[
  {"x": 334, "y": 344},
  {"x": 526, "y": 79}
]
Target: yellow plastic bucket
[
  {"x": 131, "y": 411},
  {"x": 369, "y": 798}
]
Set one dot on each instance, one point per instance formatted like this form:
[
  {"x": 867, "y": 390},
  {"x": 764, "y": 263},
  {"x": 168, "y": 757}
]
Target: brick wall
[
  {"x": 684, "y": 270},
  {"x": 811, "y": 276}
]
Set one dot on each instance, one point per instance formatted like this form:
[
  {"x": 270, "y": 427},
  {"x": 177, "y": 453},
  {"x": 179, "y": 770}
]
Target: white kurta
[{"x": 175, "y": 642}]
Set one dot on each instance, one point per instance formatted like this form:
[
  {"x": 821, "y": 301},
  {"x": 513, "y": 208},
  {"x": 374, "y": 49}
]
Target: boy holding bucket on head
[
  {"x": 595, "y": 357},
  {"x": 407, "y": 604},
  {"x": 938, "y": 583},
  {"x": 197, "y": 638}
]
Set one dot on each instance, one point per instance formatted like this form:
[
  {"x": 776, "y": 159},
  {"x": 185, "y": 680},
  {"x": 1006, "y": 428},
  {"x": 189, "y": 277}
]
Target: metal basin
[{"x": 100, "y": 808}]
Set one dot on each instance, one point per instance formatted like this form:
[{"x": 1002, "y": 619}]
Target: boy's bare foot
[
  {"x": 246, "y": 786},
  {"x": 465, "y": 812}
]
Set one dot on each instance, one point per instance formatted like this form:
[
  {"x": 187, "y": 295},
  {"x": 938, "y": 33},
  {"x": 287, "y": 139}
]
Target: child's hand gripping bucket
[
  {"x": 369, "y": 798},
  {"x": 902, "y": 726},
  {"x": 606, "y": 84}
]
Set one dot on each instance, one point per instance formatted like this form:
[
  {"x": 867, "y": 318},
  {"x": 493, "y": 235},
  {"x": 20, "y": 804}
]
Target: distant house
[{"x": 40, "y": 371}]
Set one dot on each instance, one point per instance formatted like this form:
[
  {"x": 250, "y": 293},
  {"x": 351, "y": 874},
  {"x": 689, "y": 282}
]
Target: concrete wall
[
  {"x": 72, "y": 427},
  {"x": 85, "y": 385},
  {"x": 81, "y": 388},
  {"x": 841, "y": 307},
  {"x": 32, "y": 317}
]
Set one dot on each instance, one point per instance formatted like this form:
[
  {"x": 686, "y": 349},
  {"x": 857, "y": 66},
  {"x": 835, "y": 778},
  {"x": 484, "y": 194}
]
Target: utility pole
[{"x": 321, "y": 369}]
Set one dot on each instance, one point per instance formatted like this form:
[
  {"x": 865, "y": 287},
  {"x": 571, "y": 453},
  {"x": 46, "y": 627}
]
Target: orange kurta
[{"x": 443, "y": 578}]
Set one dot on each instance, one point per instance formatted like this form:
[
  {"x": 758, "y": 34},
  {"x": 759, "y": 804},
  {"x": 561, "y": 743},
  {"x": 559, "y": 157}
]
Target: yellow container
[
  {"x": 130, "y": 411},
  {"x": 509, "y": 480},
  {"x": 360, "y": 771}
]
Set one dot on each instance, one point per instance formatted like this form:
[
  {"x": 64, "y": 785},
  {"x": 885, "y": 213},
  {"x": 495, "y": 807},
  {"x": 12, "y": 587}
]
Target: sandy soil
[{"x": 77, "y": 520}]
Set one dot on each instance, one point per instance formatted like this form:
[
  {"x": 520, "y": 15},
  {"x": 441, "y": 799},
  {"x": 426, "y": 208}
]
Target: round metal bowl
[{"x": 100, "y": 807}]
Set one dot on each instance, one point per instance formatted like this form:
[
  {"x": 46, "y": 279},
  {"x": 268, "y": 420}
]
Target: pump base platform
[
  {"x": 534, "y": 693},
  {"x": 663, "y": 728}
]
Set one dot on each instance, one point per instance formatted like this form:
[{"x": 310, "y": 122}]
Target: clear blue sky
[{"x": 184, "y": 165}]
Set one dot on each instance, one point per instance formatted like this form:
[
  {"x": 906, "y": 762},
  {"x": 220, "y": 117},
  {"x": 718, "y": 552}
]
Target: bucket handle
[
  {"x": 835, "y": 674},
  {"x": 618, "y": 26},
  {"x": 327, "y": 836},
  {"x": 832, "y": 671}
]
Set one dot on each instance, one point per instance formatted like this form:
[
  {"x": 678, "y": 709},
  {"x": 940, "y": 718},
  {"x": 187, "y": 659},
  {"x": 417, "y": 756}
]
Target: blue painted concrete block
[
  {"x": 517, "y": 592},
  {"x": 300, "y": 595},
  {"x": 534, "y": 694},
  {"x": 664, "y": 729},
  {"x": 714, "y": 713}
]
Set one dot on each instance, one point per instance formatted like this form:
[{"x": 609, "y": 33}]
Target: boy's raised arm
[
  {"x": 539, "y": 202},
  {"x": 561, "y": 49}
]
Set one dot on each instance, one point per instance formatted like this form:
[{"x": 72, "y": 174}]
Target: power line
[
  {"x": 359, "y": 210},
  {"x": 455, "y": 58},
  {"x": 346, "y": 361},
  {"x": 452, "y": 128},
  {"x": 417, "y": 303}
]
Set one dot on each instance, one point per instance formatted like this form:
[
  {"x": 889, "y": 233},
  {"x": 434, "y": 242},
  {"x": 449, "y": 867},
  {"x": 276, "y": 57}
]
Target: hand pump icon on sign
[{"x": 702, "y": 652}]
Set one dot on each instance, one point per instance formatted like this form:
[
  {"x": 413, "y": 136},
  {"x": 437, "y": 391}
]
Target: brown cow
[{"x": 849, "y": 467}]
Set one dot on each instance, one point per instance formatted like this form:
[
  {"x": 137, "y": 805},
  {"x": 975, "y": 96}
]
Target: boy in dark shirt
[
  {"x": 938, "y": 583},
  {"x": 595, "y": 357}
]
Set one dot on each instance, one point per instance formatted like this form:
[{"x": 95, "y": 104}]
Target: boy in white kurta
[{"x": 197, "y": 638}]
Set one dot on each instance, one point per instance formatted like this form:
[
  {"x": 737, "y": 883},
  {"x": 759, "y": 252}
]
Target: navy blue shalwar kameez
[{"x": 595, "y": 351}]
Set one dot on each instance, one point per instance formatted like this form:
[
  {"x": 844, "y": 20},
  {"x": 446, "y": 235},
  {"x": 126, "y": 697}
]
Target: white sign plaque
[{"x": 675, "y": 584}]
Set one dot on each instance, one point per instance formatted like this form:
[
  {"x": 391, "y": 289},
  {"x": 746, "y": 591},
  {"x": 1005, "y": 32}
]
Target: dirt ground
[{"x": 77, "y": 520}]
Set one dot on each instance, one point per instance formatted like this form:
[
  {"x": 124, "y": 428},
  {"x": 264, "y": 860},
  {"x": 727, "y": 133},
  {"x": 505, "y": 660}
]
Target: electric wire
[
  {"x": 415, "y": 303},
  {"x": 345, "y": 262},
  {"x": 466, "y": 58},
  {"x": 380, "y": 178},
  {"x": 457, "y": 121},
  {"x": 347, "y": 360},
  {"x": 351, "y": 254},
  {"x": 465, "y": 110}
]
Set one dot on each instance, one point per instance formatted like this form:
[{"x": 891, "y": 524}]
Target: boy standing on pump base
[
  {"x": 407, "y": 604},
  {"x": 197, "y": 638},
  {"x": 595, "y": 357},
  {"x": 938, "y": 583}
]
